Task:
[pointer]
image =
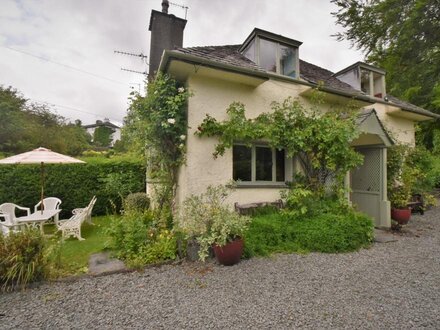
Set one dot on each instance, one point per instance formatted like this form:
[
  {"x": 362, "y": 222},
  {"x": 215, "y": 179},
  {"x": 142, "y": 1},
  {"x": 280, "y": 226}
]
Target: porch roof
[{"x": 369, "y": 123}]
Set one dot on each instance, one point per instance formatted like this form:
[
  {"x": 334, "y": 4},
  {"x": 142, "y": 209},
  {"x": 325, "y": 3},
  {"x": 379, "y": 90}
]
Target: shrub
[
  {"x": 74, "y": 184},
  {"x": 130, "y": 232},
  {"x": 162, "y": 247},
  {"x": 138, "y": 241},
  {"x": 302, "y": 202},
  {"x": 335, "y": 233},
  {"x": 136, "y": 202},
  {"x": 327, "y": 232},
  {"x": 270, "y": 234},
  {"x": 21, "y": 258},
  {"x": 209, "y": 221}
]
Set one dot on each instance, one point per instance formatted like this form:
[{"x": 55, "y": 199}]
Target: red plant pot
[
  {"x": 401, "y": 215},
  {"x": 230, "y": 253}
]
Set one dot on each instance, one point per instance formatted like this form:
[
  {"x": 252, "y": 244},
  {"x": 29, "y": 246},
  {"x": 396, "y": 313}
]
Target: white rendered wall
[{"x": 213, "y": 96}]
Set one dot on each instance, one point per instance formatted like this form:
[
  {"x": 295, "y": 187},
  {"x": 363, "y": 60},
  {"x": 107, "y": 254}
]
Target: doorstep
[{"x": 384, "y": 236}]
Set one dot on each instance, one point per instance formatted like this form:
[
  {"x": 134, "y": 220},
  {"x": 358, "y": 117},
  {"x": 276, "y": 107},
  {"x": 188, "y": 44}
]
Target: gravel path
[{"x": 392, "y": 285}]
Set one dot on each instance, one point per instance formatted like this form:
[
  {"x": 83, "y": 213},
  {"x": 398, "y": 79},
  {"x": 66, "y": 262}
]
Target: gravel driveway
[{"x": 391, "y": 285}]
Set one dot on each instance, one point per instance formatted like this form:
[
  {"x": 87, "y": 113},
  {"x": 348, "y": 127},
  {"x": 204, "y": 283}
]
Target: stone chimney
[{"x": 166, "y": 33}]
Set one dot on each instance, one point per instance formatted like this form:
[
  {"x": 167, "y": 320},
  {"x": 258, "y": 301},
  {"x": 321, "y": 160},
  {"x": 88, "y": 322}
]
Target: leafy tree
[
  {"x": 25, "y": 126},
  {"x": 102, "y": 136},
  {"x": 12, "y": 123},
  {"x": 403, "y": 37}
]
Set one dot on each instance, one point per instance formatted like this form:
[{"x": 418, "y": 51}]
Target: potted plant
[
  {"x": 207, "y": 220},
  {"x": 399, "y": 198},
  {"x": 401, "y": 179}
]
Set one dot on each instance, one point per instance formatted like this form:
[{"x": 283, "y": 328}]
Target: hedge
[{"x": 74, "y": 184}]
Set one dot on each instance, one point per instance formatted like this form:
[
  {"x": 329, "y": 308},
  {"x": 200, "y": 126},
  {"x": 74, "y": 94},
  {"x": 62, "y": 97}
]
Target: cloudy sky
[{"x": 61, "y": 52}]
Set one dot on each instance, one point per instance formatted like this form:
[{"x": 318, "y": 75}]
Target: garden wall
[{"x": 74, "y": 184}]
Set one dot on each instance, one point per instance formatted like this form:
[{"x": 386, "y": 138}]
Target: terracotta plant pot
[
  {"x": 230, "y": 253},
  {"x": 401, "y": 215}
]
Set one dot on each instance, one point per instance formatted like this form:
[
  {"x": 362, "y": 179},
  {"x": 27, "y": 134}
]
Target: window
[
  {"x": 258, "y": 163},
  {"x": 242, "y": 159},
  {"x": 273, "y": 56},
  {"x": 287, "y": 61},
  {"x": 249, "y": 52},
  {"x": 268, "y": 55},
  {"x": 372, "y": 83}
]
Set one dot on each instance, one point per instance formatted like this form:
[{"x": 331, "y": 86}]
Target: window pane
[
  {"x": 250, "y": 51},
  {"x": 288, "y": 61},
  {"x": 268, "y": 55},
  {"x": 242, "y": 163},
  {"x": 263, "y": 159},
  {"x": 279, "y": 154},
  {"x": 365, "y": 82}
]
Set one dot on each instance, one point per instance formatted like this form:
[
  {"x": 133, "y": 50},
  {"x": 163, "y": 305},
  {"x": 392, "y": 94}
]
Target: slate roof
[
  {"x": 315, "y": 74},
  {"x": 229, "y": 55},
  {"x": 223, "y": 54},
  {"x": 106, "y": 124},
  {"x": 408, "y": 106},
  {"x": 311, "y": 73}
]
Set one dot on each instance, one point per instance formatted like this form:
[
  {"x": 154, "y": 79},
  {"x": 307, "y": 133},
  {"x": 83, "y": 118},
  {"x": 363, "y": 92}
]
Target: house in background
[
  {"x": 112, "y": 129},
  {"x": 267, "y": 67}
]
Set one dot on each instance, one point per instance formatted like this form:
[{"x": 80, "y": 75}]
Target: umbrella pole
[{"x": 42, "y": 187}]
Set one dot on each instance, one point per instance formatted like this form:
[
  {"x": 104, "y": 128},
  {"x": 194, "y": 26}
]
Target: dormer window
[
  {"x": 364, "y": 77},
  {"x": 273, "y": 53}
]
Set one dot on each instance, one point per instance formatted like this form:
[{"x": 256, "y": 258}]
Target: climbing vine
[
  {"x": 157, "y": 123},
  {"x": 321, "y": 141}
]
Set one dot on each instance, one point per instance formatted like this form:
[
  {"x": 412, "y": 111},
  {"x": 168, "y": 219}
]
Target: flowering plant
[
  {"x": 157, "y": 123},
  {"x": 209, "y": 221}
]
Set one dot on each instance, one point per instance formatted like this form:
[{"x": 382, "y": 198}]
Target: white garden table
[{"x": 39, "y": 218}]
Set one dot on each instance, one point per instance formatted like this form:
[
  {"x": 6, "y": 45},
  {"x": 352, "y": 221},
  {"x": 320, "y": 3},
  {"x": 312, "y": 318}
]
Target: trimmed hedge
[{"x": 75, "y": 184}]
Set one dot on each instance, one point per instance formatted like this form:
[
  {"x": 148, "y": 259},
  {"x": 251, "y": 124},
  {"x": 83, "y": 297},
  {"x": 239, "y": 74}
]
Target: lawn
[{"x": 74, "y": 254}]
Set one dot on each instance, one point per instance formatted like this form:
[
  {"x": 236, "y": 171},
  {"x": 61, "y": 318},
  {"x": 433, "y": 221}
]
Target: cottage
[
  {"x": 267, "y": 67},
  {"x": 113, "y": 130}
]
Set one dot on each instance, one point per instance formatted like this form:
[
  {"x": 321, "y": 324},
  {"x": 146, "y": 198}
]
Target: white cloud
[{"x": 83, "y": 34}]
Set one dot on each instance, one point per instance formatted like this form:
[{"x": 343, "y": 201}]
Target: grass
[{"x": 74, "y": 254}]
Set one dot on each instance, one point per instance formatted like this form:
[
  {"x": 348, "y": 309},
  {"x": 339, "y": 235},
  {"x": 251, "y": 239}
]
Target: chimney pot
[{"x": 165, "y": 5}]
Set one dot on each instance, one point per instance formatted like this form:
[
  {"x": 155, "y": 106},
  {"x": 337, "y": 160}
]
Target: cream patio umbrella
[{"x": 40, "y": 156}]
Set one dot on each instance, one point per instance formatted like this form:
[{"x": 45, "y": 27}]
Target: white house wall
[
  {"x": 214, "y": 96},
  {"x": 401, "y": 130}
]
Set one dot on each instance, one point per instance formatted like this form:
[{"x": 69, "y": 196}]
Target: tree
[
  {"x": 25, "y": 125},
  {"x": 12, "y": 123},
  {"x": 402, "y": 37},
  {"x": 102, "y": 136}
]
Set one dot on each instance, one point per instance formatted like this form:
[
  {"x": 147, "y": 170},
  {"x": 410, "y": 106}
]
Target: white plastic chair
[
  {"x": 87, "y": 209},
  {"x": 7, "y": 212},
  {"x": 50, "y": 203}
]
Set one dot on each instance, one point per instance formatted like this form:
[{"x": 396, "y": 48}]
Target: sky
[{"x": 61, "y": 52}]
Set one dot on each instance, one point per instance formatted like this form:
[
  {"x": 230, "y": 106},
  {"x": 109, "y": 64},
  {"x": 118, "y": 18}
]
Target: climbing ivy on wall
[
  {"x": 102, "y": 136},
  {"x": 320, "y": 140},
  {"x": 157, "y": 124}
]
